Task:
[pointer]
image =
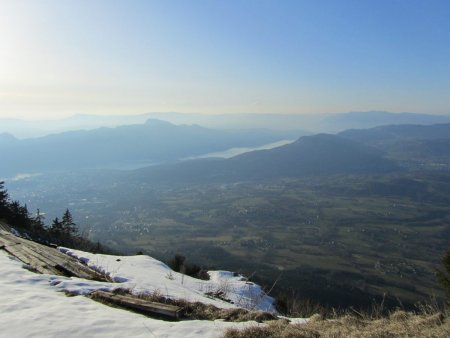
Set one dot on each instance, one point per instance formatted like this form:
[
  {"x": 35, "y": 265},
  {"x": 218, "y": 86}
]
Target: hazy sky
[{"x": 61, "y": 57}]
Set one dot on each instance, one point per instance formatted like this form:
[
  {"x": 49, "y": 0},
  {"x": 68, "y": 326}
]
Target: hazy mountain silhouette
[
  {"x": 363, "y": 120},
  {"x": 152, "y": 142},
  {"x": 408, "y": 142},
  {"x": 331, "y": 122},
  {"x": 321, "y": 154},
  {"x": 379, "y": 135},
  {"x": 39, "y": 128},
  {"x": 7, "y": 139}
]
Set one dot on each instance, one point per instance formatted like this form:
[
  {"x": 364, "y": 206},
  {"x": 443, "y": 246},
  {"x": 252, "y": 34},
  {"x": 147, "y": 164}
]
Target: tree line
[{"x": 61, "y": 232}]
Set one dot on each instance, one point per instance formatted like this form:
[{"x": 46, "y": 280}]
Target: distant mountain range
[
  {"x": 123, "y": 147},
  {"x": 385, "y": 134},
  {"x": 411, "y": 144},
  {"x": 28, "y": 129},
  {"x": 364, "y": 120},
  {"x": 316, "y": 123},
  {"x": 376, "y": 150},
  {"x": 322, "y": 154},
  {"x": 313, "y": 123}
]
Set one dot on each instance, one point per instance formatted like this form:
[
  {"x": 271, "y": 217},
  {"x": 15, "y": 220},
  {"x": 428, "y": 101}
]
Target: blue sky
[{"x": 61, "y": 57}]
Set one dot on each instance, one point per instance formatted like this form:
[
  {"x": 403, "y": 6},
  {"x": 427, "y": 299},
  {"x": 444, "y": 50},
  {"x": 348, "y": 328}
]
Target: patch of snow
[
  {"x": 240, "y": 291},
  {"x": 30, "y": 307},
  {"x": 144, "y": 274}
]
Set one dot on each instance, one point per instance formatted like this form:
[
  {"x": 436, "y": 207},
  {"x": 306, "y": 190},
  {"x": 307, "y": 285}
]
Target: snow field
[{"x": 31, "y": 307}]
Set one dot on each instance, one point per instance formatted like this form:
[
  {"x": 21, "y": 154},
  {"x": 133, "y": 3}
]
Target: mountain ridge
[
  {"x": 321, "y": 154},
  {"x": 152, "y": 142},
  {"x": 324, "y": 122}
]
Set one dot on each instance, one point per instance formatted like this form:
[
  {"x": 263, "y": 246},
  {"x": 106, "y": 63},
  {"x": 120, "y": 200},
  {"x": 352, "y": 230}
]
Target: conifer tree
[
  {"x": 39, "y": 221},
  {"x": 4, "y": 210},
  {"x": 56, "y": 229},
  {"x": 60, "y": 232},
  {"x": 68, "y": 225},
  {"x": 3, "y": 195},
  {"x": 18, "y": 215}
]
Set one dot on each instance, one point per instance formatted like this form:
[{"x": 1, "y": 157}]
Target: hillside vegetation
[{"x": 64, "y": 231}]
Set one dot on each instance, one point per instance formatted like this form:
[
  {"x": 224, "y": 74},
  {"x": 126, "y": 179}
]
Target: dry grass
[
  {"x": 200, "y": 311},
  {"x": 398, "y": 324}
]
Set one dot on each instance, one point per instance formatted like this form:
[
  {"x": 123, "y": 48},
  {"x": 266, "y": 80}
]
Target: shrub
[{"x": 178, "y": 264}]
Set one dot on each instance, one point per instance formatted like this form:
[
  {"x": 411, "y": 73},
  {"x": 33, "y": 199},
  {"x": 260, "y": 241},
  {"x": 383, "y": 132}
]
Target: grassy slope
[{"x": 398, "y": 324}]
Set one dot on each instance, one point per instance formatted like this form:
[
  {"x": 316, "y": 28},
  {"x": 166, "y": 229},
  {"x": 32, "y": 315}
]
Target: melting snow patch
[
  {"x": 144, "y": 274},
  {"x": 30, "y": 307}
]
